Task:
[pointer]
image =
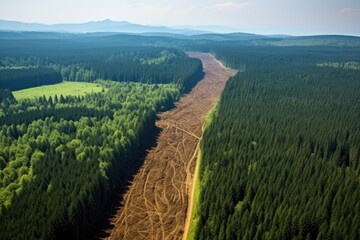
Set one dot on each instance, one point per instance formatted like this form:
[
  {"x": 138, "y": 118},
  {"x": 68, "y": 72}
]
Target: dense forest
[
  {"x": 63, "y": 157},
  {"x": 61, "y": 168},
  {"x": 21, "y": 78},
  {"x": 29, "y": 63},
  {"x": 281, "y": 158}
]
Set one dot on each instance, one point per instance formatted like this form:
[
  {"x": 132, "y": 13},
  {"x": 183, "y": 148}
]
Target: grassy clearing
[
  {"x": 196, "y": 204},
  {"x": 195, "y": 217},
  {"x": 64, "y": 88}
]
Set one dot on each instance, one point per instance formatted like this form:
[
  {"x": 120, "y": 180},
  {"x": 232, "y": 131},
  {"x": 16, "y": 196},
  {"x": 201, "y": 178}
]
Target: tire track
[{"x": 156, "y": 204}]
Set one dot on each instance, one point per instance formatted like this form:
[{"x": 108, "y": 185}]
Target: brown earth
[{"x": 156, "y": 204}]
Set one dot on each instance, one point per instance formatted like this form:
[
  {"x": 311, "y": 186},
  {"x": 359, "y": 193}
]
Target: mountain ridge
[{"x": 106, "y": 25}]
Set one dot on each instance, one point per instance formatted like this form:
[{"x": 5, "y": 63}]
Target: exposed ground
[
  {"x": 157, "y": 201},
  {"x": 64, "y": 88}
]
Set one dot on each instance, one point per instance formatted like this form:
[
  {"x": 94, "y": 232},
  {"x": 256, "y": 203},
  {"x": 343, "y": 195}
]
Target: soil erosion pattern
[{"x": 157, "y": 201}]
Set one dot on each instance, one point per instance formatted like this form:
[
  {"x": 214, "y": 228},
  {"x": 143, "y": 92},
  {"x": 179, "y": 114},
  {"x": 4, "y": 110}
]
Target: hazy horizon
[{"x": 254, "y": 16}]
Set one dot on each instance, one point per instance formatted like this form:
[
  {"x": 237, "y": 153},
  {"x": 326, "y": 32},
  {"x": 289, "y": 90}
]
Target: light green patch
[
  {"x": 64, "y": 88},
  {"x": 252, "y": 167},
  {"x": 239, "y": 205},
  {"x": 344, "y": 65},
  {"x": 17, "y": 67},
  {"x": 195, "y": 216},
  {"x": 212, "y": 114},
  {"x": 164, "y": 57}
]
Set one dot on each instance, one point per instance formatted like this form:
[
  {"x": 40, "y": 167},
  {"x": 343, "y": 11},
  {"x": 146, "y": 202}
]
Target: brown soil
[{"x": 156, "y": 204}]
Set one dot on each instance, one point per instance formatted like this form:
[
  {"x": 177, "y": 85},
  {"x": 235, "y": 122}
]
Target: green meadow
[{"x": 64, "y": 88}]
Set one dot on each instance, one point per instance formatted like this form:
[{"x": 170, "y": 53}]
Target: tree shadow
[{"x": 103, "y": 226}]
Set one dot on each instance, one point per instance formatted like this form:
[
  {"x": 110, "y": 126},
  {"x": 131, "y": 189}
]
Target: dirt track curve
[{"x": 156, "y": 204}]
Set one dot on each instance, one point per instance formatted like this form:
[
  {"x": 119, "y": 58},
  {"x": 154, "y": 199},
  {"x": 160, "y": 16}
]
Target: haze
[{"x": 258, "y": 16}]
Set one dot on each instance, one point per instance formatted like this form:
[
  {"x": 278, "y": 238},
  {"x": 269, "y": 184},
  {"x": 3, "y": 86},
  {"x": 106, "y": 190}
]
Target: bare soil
[{"x": 157, "y": 201}]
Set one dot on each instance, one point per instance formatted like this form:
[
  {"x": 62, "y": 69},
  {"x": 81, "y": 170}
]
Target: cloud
[
  {"x": 350, "y": 11},
  {"x": 230, "y": 5},
  {"x": 186, "y": 10},
  {"x": 151, "y": 9},
  {"x": 156, "y": 10}
]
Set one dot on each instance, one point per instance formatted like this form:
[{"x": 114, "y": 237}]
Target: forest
[
  {"x": 62, "y": 158},
  {"x": 35, "y": 65},
  {"x": 21, "y": 78},
  {"x": 281, "y": 157}
]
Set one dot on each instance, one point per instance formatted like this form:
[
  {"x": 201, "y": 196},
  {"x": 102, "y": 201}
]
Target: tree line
[
  {"x": 58, "y": 170},
  {"x": 22, "y": 78},
  {"x": 281, "y": 159},
  {"x": 62, "y": 157},
  {"x": 25, "y": 64}
]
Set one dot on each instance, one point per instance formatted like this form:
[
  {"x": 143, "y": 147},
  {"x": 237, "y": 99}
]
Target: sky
[{"x": 295, "y": 17}]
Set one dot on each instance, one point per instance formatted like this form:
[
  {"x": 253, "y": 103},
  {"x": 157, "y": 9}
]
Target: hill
[{"x": 93, "y": 26}]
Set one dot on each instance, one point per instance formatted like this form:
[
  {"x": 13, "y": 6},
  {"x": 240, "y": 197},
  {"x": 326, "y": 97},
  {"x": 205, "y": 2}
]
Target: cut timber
[{"x": 156, "y": 204}]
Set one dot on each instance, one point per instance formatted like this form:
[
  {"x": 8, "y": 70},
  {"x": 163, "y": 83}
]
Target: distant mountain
[
  {"x": 35, "y": 35},
  {"x": 109, "y": 28},
  {"x": 94, "y": 26},
  {"x": 211, "y": 36},
  {"x": 331, "y": 37},
  {"x": 209, "y": 28},
  {"x": 65, "y": 35}
]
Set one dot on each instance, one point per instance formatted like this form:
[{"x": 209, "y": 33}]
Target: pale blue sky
[{"x": 296, "y": 17}]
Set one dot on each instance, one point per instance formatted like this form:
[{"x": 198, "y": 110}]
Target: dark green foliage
[
  {"x": 129, "y": 64},
  {"x": 6, "y": 96},
  {"x": 88, "y": 59},
  {"x": 58, "y": 171},
  {"x": 68, "y": 108},
  {"x": 281, "y": 159},
  {"x": 61, "y": 158},
  {"x": 16, "y": 79}
]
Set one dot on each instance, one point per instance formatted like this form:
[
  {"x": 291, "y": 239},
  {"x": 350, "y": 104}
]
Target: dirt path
[
  {"x": 191, "y": 197},
  {"x": 156, "y": 204}
]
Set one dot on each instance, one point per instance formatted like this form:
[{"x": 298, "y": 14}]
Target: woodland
[
  {"x": 62, "y": 158},
  {"x": 280, "y": 157}
]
